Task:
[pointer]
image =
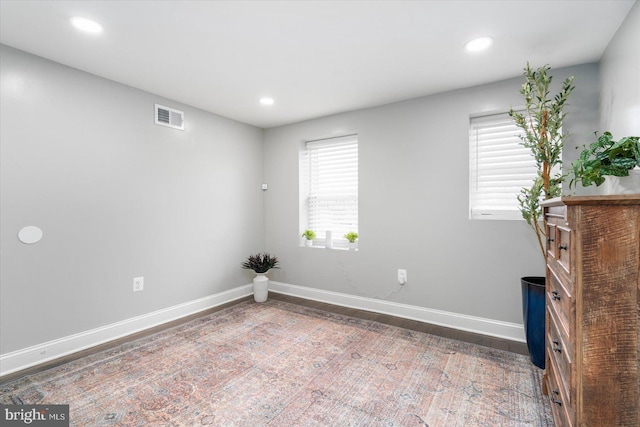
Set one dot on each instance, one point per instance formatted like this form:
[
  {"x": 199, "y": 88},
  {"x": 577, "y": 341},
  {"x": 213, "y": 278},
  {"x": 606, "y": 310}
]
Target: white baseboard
[
  {"x": 479, "y": 325},
  {"x": 51, "y": 350},
  {"x": 41, "y": 353}
]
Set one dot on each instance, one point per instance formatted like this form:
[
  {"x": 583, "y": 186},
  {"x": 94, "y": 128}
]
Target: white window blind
[
  {"x": 499, "y": 167},
  {"x": 332, "y": 200}
]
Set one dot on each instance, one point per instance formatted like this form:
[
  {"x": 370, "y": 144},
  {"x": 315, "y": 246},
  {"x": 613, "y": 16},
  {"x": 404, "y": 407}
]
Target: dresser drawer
[
  {"x": 557, "y": 399},
  {"x": 559, "y": 211},
  {"x": 563, "y": 244},
  {"x": 559, "y": 349},
  {"x": 559, "y": 302}
]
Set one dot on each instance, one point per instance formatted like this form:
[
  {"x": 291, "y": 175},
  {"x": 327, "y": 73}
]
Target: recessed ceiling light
[
  {"x": 266, "y": 101},
  {"x": 86, "y": 25},
  {"x": 478, "y": 44}
]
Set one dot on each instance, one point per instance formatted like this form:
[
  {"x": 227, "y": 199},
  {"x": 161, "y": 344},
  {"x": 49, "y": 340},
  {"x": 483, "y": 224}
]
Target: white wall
[
  {"x": 414, "y": 203},
  {"x": 620, "y": 79},
  {"x": 116, "y": 197}
]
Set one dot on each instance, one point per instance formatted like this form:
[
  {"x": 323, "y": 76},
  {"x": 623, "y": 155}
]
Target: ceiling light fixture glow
[
  {"x": 86, "y": 25},
  {"x": 266, "y": 101},
  {"x": 478, "y": 44}
]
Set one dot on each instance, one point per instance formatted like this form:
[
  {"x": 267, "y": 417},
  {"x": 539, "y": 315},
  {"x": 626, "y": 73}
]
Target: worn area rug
[{"x": 280, "y": 364}]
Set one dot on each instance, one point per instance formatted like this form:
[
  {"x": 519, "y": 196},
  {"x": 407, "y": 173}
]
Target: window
[
  {"x": 329, "y": 190},
  {"x": 499, "y": 167}
]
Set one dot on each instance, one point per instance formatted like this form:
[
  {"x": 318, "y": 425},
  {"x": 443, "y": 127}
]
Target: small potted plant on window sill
[
  {"x": 260, "y": 264},
  {"x": 616, "y": 164},
  {"x": 352, "y": 236},
  {"x": 309, "y": 236}
]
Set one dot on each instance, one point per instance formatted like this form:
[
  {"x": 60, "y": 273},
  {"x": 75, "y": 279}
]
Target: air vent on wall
[{"x": 170, "y": 117}]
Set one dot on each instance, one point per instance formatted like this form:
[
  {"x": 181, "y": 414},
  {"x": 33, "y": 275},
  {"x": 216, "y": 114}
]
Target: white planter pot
[
  {"x": 623, "y": 184},
  {"x": 613, "y": 185},
  {"x": 353, "y": 246},
  {"x": 308, "y": 242},
  {"x": 260, "y": 287}
]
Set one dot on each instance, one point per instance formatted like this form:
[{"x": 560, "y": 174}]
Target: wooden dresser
[{"x": 592, "y": 372}]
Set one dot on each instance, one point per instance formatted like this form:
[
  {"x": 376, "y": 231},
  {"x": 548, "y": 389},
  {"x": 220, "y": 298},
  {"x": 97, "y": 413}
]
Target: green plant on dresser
[{"x": 605, "y": 157}]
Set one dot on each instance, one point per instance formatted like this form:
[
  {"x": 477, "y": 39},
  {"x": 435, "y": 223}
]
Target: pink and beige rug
[{"x": 279, "y": 364}]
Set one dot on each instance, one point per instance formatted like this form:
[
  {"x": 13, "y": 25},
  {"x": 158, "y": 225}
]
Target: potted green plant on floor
[
  {"x": 260, "y": 264},
  {"x": 616, "y": 163},
  {"x": 541, "y": 126}
]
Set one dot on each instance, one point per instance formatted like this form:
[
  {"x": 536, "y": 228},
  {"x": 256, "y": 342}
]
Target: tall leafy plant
[{"x": 541, "y": 125}]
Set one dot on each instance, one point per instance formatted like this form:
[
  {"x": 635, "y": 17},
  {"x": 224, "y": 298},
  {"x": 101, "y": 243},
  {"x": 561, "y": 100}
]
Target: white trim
[
  {"x": 51, "y": 350},
  {"x": 463, "y": 322},
  {"x": 41, "y": 353}
]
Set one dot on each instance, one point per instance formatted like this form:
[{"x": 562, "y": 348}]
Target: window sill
[{"x": 334, "y": 248}]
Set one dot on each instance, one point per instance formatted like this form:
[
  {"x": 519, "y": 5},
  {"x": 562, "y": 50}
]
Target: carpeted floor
[{"x": 280, "y": 364}]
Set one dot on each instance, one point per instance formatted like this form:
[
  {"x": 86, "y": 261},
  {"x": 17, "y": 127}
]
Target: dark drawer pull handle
[
  {"x": 555, "y": 296},
  {"x": 563, "y": 247},
  {"x": 553, "y": 398},
  {"x": 550, "y": 239},
  {"x": 556, "y": 346}
]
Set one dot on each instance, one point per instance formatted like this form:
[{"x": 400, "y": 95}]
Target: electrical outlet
[
  {"x": 138, "y": 284},
  {"x": 402, "y": 276}
]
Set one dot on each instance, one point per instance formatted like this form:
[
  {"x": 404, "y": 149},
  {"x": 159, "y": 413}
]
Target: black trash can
[{"x": 533, "y": 315}]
